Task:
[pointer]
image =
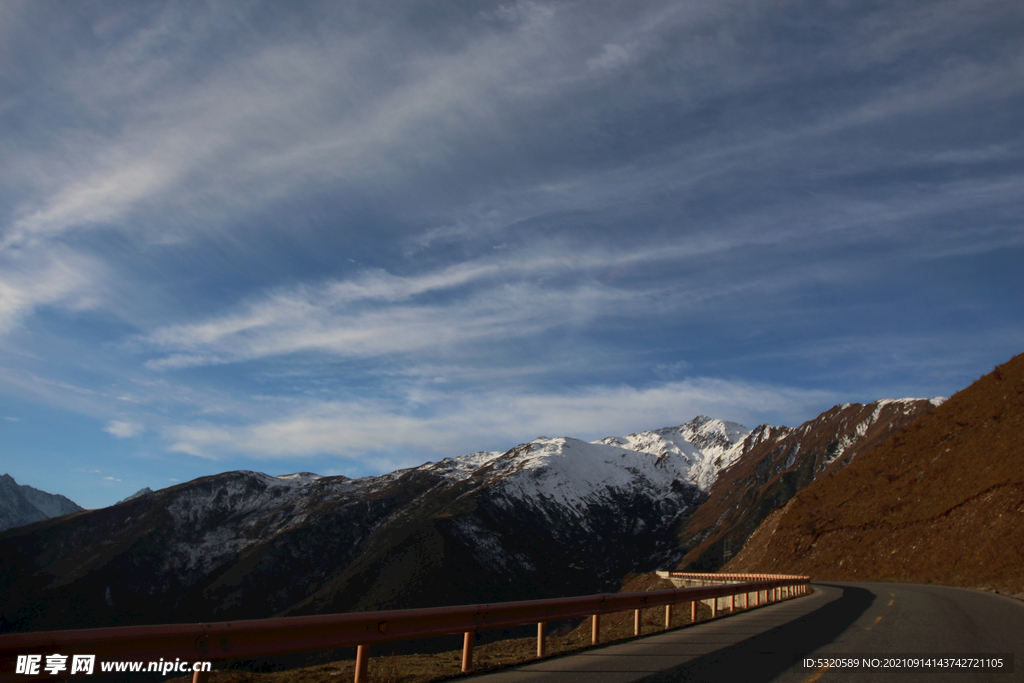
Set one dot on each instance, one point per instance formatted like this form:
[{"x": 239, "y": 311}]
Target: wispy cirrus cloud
[
  {"x": 123, "y": 429},
  {"x": 434, "y": 423},
  {"x": 313, "y": 321},
  {"x": 34, "y": 277}
]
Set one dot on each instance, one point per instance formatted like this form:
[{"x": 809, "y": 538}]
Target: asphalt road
[{"x": 848, "y": 621}]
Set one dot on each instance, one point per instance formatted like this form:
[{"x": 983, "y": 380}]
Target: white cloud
[
  {"x": 611, "y": 57},
  {"x": 124, "y": 430},
  {"x": 379, "y": 314},
  {"x": 34, "y": 277},
  {"x": 269, "y": 120},
  {"x": 111, "y": 479},
  {"x": 104, "y": 195},
  {"x": 364, "y": 429}
]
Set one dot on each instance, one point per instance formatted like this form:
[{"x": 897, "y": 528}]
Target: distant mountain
[
  {"x": 21, "y": 504},
  {"x": 548, "y": 518},
  {"x": 140, "y": 492},
  {"x": 772, "y": 464},
  {"x": 941, "y": 501}
]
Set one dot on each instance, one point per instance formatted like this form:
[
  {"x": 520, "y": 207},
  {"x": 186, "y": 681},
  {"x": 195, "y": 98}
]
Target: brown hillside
[
  {"x": 942, "y": 501},
  {"x": 777, "y": 462}
]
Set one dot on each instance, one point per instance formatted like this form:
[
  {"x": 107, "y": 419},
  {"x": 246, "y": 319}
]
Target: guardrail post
[
  {"x": 467, "y": 652},
  {"x": 540, "y": 638},
  {"x": 714, "y": 607},
  {"x": 668, "y": 617},
  {"x": 362, "y": 655},
  {"x": 595, "y": 629},
  {"x": 636, "y": 622},
  {"x": 693, "y": 612},
  {"x": 732, "y": 602},
  {"x": 201, "y": 677}
]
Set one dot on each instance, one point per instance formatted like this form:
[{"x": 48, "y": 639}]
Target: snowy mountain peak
[
  {"x": 575, "y": 475},
  {"x": 706, "y": 444},
  {"x": 710, "y": 434},
  {"x": 299, "y": 477}
]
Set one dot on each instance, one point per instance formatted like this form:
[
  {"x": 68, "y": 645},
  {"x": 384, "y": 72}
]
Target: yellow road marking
[
  {"x": 817, "y": 674},
  {"x": 892, "y": 595},
  {"x": 878, "y": 619},
  {"x": 890, "y": 603}
]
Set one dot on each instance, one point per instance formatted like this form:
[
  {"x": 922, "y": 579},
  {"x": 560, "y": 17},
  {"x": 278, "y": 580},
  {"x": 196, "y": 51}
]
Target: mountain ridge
[{"x": 774, "y": 463}]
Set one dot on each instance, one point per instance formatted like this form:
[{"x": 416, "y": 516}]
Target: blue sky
[{"x": 351, "y": 237}]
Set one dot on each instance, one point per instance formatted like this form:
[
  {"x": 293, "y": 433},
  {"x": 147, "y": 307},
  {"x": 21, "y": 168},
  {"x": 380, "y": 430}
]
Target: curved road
[{"x": 839, "y": 620}]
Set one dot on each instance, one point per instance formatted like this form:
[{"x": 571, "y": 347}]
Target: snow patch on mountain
[
  {"x": 574, "y": 474},
  {"x": 299, "y": 477},
  {"x": 462, "y": 467},
  {"x": 706, "y": 445}
]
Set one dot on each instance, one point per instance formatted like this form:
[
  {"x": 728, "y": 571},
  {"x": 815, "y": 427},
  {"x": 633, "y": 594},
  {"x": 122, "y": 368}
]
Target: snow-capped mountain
[
  {"x": 707, "y": 445},
  {"x": 549, "y": 517},
  {"x": 21, "y": 504},
  {"x": 552, "y": 517}
]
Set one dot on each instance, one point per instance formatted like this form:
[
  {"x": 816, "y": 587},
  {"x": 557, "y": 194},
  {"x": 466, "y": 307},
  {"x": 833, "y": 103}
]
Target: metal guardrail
[{"x": 234, "y": 640}]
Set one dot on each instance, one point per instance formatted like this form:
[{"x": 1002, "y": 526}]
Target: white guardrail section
[{"x": 693, "y": 579}]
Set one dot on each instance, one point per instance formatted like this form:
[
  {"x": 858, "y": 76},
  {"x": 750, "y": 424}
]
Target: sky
[{"x": 351, "y": 237}]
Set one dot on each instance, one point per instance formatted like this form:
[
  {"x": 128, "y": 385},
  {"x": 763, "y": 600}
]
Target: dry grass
[
  {"x": 940, "y": 502},
  {"x": 491, "y": 656}
]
